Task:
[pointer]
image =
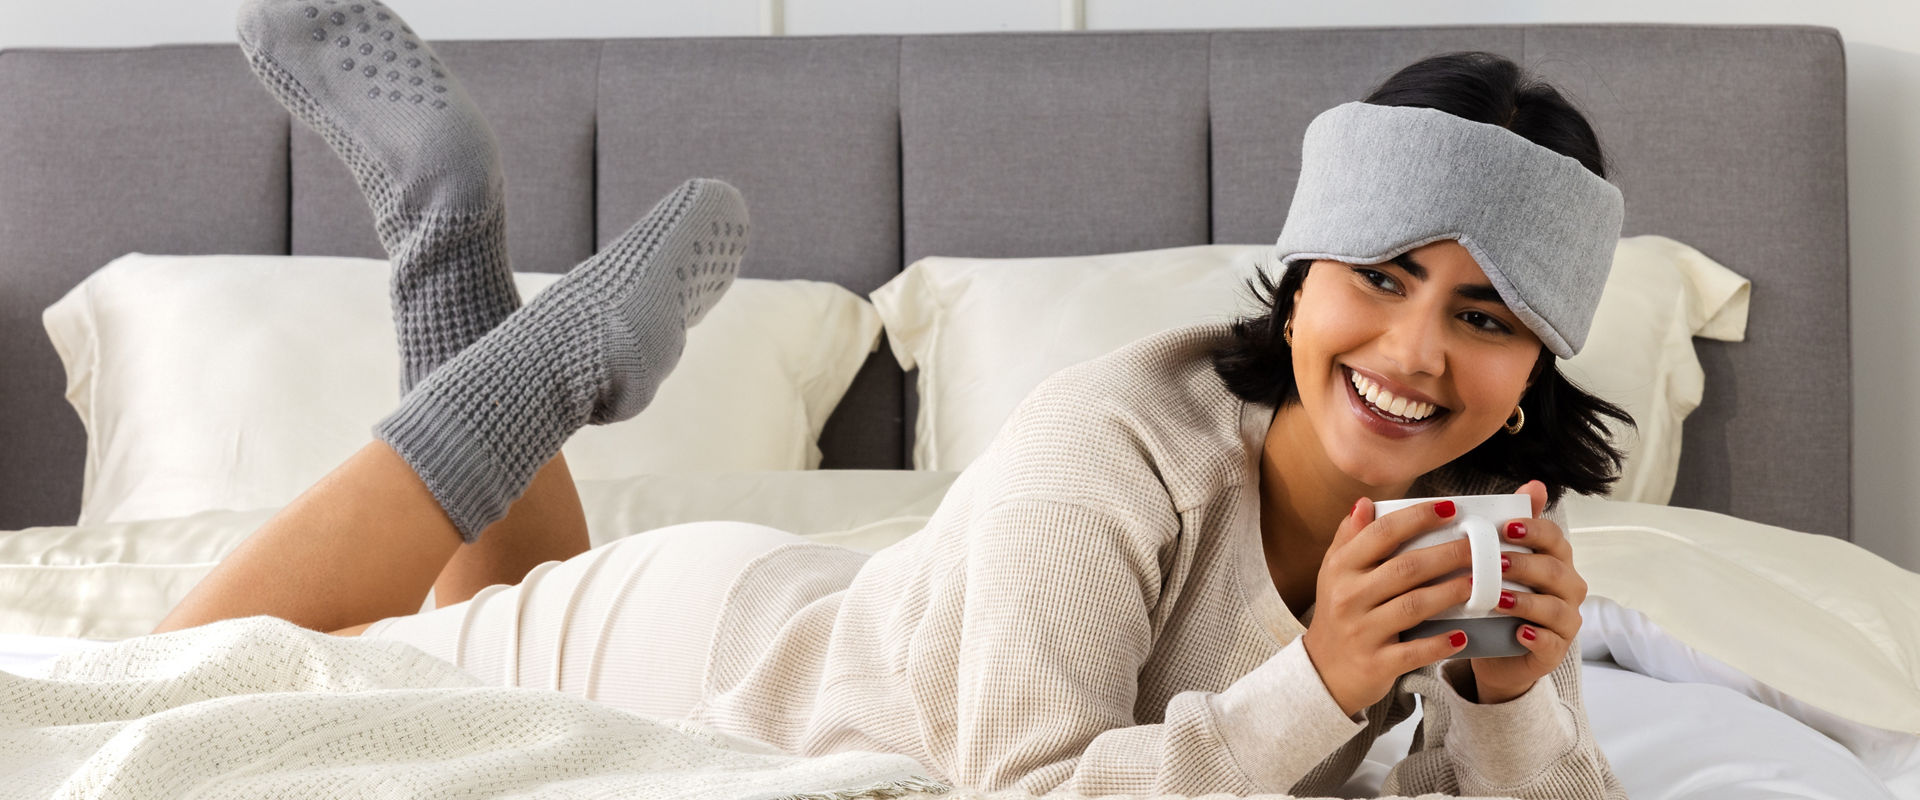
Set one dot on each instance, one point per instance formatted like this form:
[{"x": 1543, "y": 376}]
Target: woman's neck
[{"x": 1303, "y": 498}]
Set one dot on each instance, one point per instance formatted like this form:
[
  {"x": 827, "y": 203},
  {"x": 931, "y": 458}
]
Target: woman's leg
[
  {"x": 370, "y": 539},
  {"x": 545, "y": 524},
  {"x": 363, "y": 543},
  {"x": 428, "y": 165},
  {"x": 630, "y": 623},
  {"x": 481, "y": 430}
]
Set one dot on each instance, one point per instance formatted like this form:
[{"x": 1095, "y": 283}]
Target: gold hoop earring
[
  {"x": 1286, "y": 332},
  {"x": 1517, "y": 421}
]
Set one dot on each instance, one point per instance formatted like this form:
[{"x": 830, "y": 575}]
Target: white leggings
[{"x": 629, "y": 623}]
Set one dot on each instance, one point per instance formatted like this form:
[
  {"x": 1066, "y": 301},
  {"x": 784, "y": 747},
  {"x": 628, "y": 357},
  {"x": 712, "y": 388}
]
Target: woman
[{"x": 1164, "y": 576}]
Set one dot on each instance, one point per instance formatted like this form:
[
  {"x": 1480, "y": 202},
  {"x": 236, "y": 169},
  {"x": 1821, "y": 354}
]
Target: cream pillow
[
  {"x": 234, "y": 382},
  {"x": 984, "y": 332},
  {"x": 1817, "y": 617},
  {"x": 1639, "y": 354}
]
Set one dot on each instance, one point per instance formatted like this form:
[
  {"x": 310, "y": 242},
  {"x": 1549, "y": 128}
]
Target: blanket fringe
[{"x": 883, "y": 791}]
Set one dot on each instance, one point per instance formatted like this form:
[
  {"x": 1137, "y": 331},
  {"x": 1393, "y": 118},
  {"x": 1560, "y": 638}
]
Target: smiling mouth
[{"x": 1413, "y": 416}]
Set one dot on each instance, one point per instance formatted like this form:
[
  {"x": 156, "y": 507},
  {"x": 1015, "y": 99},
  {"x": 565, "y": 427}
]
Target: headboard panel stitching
[{"x": 1680, "y": 105}]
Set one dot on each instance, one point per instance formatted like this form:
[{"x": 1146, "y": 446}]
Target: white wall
[{"x": 1883, "y": 100}]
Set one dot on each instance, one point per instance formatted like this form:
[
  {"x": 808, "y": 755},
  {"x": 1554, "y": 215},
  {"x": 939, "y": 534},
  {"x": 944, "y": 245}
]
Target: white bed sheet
[
  {"x": 28, "y": 655},
  {"x": 1674, "y": 722},
  {"x": 1696, "y": 729}
]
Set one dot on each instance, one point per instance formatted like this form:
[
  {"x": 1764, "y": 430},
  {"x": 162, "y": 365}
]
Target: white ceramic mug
[{"x": 1479, "y": 519}]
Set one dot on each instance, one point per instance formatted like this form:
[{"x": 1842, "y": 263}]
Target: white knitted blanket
[
  {"x": 258, "y": 707},
  {"x": 261, "y": 708}
]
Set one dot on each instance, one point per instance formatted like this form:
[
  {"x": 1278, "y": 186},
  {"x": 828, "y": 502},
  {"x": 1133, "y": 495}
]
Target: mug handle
[{"x": 1485, "y": 544}]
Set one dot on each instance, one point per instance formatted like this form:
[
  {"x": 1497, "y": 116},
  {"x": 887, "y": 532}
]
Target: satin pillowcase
[
  {"x": 235, "y": 382},
  {"x": 984, "y": 332}
]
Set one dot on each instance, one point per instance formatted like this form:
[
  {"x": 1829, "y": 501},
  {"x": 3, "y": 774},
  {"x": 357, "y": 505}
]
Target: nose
[{"x": 1414, "y": 341}]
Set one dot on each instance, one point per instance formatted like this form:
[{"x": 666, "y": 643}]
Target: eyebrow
[{"x": 1471, "y": 291}]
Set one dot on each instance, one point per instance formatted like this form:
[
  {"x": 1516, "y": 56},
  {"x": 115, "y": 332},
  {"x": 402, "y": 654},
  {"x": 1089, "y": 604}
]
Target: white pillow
[
  {"x": 984, "y": 332},
  {"x": 234, "y": 382}
]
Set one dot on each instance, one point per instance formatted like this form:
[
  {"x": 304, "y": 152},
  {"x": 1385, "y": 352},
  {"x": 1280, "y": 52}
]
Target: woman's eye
[
  {"x": 1379, "y": 279},
  {"x": 1485, "y": 322}
]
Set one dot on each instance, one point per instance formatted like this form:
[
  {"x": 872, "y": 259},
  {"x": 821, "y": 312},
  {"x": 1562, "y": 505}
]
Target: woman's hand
[
  {"x": 1365, "y": 596},
  {"x": 1554, "y": 605}
]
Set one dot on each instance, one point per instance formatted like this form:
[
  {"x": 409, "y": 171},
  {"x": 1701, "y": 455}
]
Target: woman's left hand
[{"x": 1552, "y": 609}]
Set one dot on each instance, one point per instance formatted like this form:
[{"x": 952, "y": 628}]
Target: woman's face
[{"x": 1426, "y": 337}]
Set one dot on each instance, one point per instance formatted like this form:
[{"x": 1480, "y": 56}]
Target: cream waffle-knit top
[{"x": 1090, "y": 610}]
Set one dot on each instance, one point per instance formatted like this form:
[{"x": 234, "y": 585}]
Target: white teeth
[{"x": 1388, "y": 401}]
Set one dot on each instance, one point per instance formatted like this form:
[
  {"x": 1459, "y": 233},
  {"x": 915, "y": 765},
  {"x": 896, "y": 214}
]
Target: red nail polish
[
  {"x": 1356, "y": 509},
  {"x": 1516, "y": 530},
  {"x": 1444, "y": 508},
  {"x": 1527, "y": 633},
  {"x": 1505, "y": 563},
  {"x": 1457, "y": 639},
  {"x": 1507, "y": 600}
]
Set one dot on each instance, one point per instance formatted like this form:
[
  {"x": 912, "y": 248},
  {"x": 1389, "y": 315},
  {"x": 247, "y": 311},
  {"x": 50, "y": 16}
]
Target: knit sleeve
[
  {"x": 1055, "y": 631},
  {"x": 1537, "y": 745}
]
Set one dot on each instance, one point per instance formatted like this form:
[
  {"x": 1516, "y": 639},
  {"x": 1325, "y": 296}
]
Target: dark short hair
[{"x": 1564, "y": 443}]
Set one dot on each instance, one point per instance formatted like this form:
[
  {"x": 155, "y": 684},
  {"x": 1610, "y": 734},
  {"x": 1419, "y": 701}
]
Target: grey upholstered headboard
[{"x": 860, "y": 154}]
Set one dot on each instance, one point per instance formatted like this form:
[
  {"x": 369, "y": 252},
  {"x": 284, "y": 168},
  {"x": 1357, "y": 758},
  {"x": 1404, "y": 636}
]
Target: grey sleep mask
[{"x": 1377, "y": 181}]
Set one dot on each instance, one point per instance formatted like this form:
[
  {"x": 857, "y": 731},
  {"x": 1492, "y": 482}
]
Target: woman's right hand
[{"x": 1365, "y": 596}]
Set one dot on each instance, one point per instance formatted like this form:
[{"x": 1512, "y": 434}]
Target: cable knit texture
[
  {"x": 1089, "y": 610},
  {"x": 592, "y": 348}
]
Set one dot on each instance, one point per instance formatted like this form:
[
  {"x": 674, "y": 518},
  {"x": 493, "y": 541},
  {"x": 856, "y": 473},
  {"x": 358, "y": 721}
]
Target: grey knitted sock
[
  {"x": 591, "y": 348},
  {"x": 420, "y": 151}
]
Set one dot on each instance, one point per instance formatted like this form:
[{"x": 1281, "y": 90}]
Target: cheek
[
  {"x": 1334, "y": 324},
  {"x": 1492, "y": 385}
]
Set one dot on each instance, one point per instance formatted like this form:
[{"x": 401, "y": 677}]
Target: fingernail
[
  {"x": 1507, "y": 600},
  {"x": 1444, "y": 508},
  {"x": 1356, "y": 509},
  {"x": 1516, "y": 530},
  {"x": 1526, "y": 632},
  {"x": 1459, "y": 639},
  {"x": 1505, "y": 563}
]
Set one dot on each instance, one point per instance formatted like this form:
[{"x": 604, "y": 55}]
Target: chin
[{"x": 1378, "y": 469}]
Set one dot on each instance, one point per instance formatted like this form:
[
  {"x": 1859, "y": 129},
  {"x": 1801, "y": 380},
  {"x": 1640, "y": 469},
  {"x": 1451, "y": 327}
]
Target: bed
[{"x": 862, "y": 155}]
